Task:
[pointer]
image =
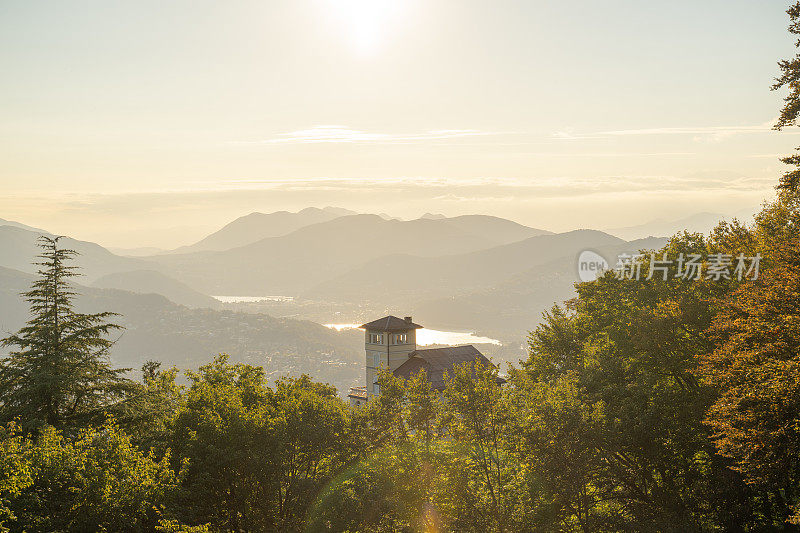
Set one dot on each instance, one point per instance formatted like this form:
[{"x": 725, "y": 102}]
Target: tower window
[
  {"x": 400, "y": 338},
  {"x": 376, "y": 338}
]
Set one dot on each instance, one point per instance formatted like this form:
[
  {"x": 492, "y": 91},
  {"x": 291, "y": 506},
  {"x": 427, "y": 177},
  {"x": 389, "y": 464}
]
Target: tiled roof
[
  {"x": 437, "y": 361},
  {"x": 391, "y": 323}
]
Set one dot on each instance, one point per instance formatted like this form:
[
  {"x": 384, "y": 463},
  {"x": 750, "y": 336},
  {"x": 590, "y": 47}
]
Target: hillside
[
  {"x": 158, "y": 329},
  {"x": 20, "y": 250},
  {"x": 152, "y": 282},
  {"x": 4, "y": 222},
  {"x": 495, "y": 229},
  {"x": 513, "y": 307},
  {"x": 408, "y": 277}
]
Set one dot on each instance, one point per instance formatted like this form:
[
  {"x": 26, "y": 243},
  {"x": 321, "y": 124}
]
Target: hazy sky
[{"x": 152, "y": 123}]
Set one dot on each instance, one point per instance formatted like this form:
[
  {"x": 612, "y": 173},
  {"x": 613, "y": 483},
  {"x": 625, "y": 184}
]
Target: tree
[
  {"x": 221, "y": 435},
  {"x": 476, "y": 418},
  {"x": 611, "y": 407},
  {"x": 59, "y": 373},
  {"x": 555, "y": 432},
  {"x": 150, "y": 411},
  {"x": 256, "y": 456},
  {"x": 15, "y": 472},
  {"x": 756, "y": 368},
  {"x": 98, "y": 481},
  {"x": 310, "y": 427},
  {"x": 790, "y": 78}
]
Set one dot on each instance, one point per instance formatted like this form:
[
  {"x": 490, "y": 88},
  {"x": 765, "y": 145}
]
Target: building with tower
[{"x": 391, "y": 342}]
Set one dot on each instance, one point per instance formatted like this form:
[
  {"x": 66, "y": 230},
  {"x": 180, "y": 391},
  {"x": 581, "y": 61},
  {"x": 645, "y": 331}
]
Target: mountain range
[
  {"x": 256, "y": 226},
  {"x": 413, "y": 275},
  {"x": 19, "y": 252},
  {"x": 697, "y": 223},
  {"x": 289, "y": 264},
  {"x": 472, "y": 272}
]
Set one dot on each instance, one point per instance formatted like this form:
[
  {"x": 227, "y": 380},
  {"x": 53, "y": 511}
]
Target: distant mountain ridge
[
  {"x": 287, "y": 264},
  {"x": 292, "y": 263},
  {"x": 696, "y": 223},
  {"x": 428, "y": 277},
  {"x": 512, "y": 307},
  {"x": 4, "y": 222},
  {"x": 19, "y": 251},
  {"x": 257, "y": 226},
  {"x": 473, "y": 271}
]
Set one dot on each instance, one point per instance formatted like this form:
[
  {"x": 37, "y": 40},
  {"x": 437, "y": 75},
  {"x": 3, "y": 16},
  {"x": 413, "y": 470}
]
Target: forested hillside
[{"x": 155, "y": 328}]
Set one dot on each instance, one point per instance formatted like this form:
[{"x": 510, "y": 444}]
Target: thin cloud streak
[
  {"x": 703, "y": 130},
  {"x": 698, "y": 133},
  {"x": 343, "y": 134}
]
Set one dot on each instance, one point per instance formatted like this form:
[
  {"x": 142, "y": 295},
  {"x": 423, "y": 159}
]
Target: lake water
[
  {"x": 252, "y": 299},
  {"x": 426, "y": 337}
]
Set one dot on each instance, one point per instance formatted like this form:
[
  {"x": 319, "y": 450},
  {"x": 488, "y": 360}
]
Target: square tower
[{"x": 388, "y": 342}]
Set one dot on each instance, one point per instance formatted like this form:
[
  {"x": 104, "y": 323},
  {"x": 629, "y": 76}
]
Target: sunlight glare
[{"x": 365, "y": 21}]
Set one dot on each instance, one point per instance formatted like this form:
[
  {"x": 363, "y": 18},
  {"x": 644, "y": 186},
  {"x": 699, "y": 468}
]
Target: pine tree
[
  {"x": 59, "y": 373},
  {"x": 790, "y": 79}
]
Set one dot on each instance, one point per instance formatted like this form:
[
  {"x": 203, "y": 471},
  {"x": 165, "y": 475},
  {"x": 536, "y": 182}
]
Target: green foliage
[
  {"x": 477, "y": 419},
  {"x": 610, "y": 405},
  {"x": 790, "y": 78},
  {"x": 97, "y": 482},
  {"x": 150, "y": 410},
  {"x": 643, "y": 405},
  {"x": 15, "y": 472},
  {"x": 256, "y": 456}
]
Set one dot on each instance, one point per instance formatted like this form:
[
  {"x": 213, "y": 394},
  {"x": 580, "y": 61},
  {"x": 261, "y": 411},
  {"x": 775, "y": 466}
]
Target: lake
[
  {"x": 252, "y": 299},
  {"x": 426, "y": 337}
]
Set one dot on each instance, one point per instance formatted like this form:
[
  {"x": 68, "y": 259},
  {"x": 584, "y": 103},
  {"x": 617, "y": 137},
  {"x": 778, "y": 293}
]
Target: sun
[{"x": 366, "y": 23}]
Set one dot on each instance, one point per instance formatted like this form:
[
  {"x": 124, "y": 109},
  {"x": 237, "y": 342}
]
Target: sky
[{"x": 153, "y": 123}]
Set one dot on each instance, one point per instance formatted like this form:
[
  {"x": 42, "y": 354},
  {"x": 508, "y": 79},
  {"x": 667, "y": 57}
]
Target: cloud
[
  {"x": 171, "y": 217},
  {"x": 701, "y": 134},
  {"x": 702, "y": 130},
  {"x": 339, "y": 134},
  {"x": 344, "y": 134}
]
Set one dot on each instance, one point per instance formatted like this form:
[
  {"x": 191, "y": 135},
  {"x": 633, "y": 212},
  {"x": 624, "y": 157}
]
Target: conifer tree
[
  {"x": 790, "y": 79},
  {"x": 58, "y": 372}
]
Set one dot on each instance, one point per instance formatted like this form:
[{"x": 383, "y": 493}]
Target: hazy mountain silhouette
[
  {"x": 141, "y": 251},
  {"x": 415, "y": 276},
  {"x": 4, "y": 222},
  {"x": 19, "y": 252},
  {"x": 697, "y": 223},
  {"x": 150, "y": 281},
  {"x": 495, "y": 229},
  {"x": 478, "y": 272},
  {"x": 313, "y": 254},
  {"x": 514, "y": 306},
  {"x": 256, "y": 226}
]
